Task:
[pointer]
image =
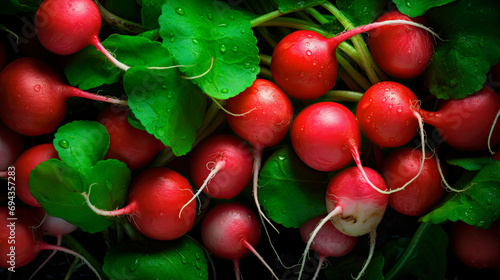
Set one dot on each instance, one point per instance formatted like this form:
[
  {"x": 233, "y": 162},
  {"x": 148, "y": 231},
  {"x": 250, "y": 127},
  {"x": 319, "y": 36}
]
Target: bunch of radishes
[{"x": 381, "y": 149}]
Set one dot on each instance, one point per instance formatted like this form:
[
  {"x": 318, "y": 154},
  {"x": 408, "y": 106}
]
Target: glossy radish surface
[
  {"x": 11, "y": 146},
  {"x": 402, "y": 51}
]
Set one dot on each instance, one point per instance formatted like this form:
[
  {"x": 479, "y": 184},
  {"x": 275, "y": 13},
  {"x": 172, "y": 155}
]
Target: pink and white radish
[{"x": 231, "y": 231}]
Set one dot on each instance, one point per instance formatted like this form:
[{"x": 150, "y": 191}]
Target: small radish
[
  {"x": 221, "y": 166},
  {"x": 476, "y": 247},
  {"x": 23, "y": 166},
  {"x": 155, "y": 198},
  {"x": 424, "y": 192},
  {"x": 354, "y": 207},
  {"x": 402, "y": 51},
  {"x": 11, "y": 146},
  {"x": 133, "y": 146},
  {"x": 261, "y": 115},
  {"x": 304, "y": 63},
  {"x": 328, "y": 242},
  {"x": 466, "y": 124},
  {"x": 65, "y": 27},
  {"x": 231, "y": 231},
  {"x": 33, "y": 97},
  {"x": 21, "y": 239}
]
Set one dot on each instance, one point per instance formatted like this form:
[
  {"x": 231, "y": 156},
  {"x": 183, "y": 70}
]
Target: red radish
[
  {"x": 155, "y": 198},
  {"x": 304, "y": 63},
  {"x": 328, "y": 242},
  {"x": 23, "y": 166},
  {"x": 221, "y": 166},
  {"x": 11, "y": 146},
  {"x": 476, "y": 247},
  {"x": 466, "y": 124},
  {"x": 3, "y": 55},
  {"x": 262, "y": 116},
  {"x": 33, "y": 97},
  {"x": 231, "y": 231},
  {"x": 67, "y": 26},
  {"x": 402, "y": 51},
  {"x": 421, "y": 194},
  {"x": 133, "y": 146},
  {"x": 354, "y": 207},
  {"x": 21, "y": 239}
]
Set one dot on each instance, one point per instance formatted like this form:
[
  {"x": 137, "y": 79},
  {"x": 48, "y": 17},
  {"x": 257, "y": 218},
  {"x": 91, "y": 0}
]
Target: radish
[
  {"x": 476, "y": 247},
  {"x": 33, "y": 97},
  {"x": 261, "y": 115},
  {"x": 23, "y": 166},
  {"x": 11, "y": 146},
  {"x": 65, "y": 27},
  {"x": 328, "y": 242},
  {"x": 353, "y": 206},
  {"x": 304, "y": 63},
  {"x": 424, "y": 192},
  {"x": 155, "y": 198},
  {"x": 402, "y": 51},
  {"x": 231, "y": 231},
  {"x": 221, "y": 166},
  {"x": 133, "y": 146},
  {"x": 21, "y": 239}
]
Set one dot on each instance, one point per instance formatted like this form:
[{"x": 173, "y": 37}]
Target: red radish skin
[
  {"x": 261, "y": 115},
  {"x": 328, "y": 242},
  {"x": 33, "y": 97},
  {"x": 231, "y": 231},
  {"x": 476, "y": 247},
  {"x": 465, "y": 124},
  {"x": 11, "y": 146},
  {"x": 402, "y": 51},
  {"x": 304, "y": 64},
  {"x": 135, "y": 147},
  {"x": 3, "y": 55},
  {"x": 155, "y": 198},
  {"x": 424, "y": 192}
]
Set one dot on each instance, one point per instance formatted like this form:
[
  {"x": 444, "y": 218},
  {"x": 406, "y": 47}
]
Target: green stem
[
  {"x": 344, "y": 76},
  {"x": 265, "y": 18},
  {"x": 129, "y": 230},
  {"x": 265, "y": 59},
  {"x": 266, "y": 73},
  {"x": 407, "y": 254},
  {"x": 343, "y": 95},
  {"x": 71, "y": 269},
  {"x": 356, "y": 76},
  {"x": 73, "y": 244},
  {"x": 317, "y": 15},
  {"x": 119, "y": 22}
]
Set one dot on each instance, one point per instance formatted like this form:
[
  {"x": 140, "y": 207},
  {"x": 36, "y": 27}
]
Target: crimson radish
[
  {"x": 421, "y": 194},
  {"x": 231, "y": 231},
  {"x": 24, "y": 248},
  {"x": 328, "y": 242},
  {"x": 128, "y": 144},
  {"x": 304, "y": 63},
  {"x": 33, "y": 97},
  {"x": 11, "y": 146},
  {"x": 67, "y": 26},
  {"x": 261, "y": 115},
  {"x": 353, "y": 206},
  {"x": 155, "y": 198},
  {"x": 402, "y": 51}
]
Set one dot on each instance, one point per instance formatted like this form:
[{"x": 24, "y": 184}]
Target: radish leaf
[
  {"x": 361, "y": 12},
  {"x": 415, "y": 8},
  {"x": 286, "y": 6}
]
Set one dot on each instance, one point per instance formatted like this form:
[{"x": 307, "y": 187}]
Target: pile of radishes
[{"x": 349, "y": 104}]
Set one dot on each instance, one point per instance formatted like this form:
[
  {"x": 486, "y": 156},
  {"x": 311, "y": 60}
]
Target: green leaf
[
  {"x": 472, "y": 45},
  {"x": 58, "y": 187},
  {"x": 11, "y": 7},
  {"x": 415, "y": 8},
  {"x": 90, "y": 68},
  {"x": 361, "y": 12},
  {"x": 348, "y": 266},
  {"x": 81, "y": 144},
  {"x": 180, "y": 259},
  {"x": 150, "y": 11},
  {"x": 290, "y": 192},
  {"x": 479, "y": 205},
  {"x": 286, "y": 6},
  {"x": 470, "y": 163},
  {"x": 211, "y": 31},
  {"x": 170, "y": 108}
]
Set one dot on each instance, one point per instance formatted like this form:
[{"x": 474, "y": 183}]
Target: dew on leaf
[
  {"x": 179, "y": 11},
  {"x": 453, "y": 82},
  {"x": 63, "y": 144},
  {"x": 184, "y": 260},
  {"x": 134, "y": 265},
  {"x": 235, "y": 49},
  {"x": 109, "y": 185},
  {"x": 224, "y": 90},
  {"x": 210, "y": 16},
  {"x": 222, "y": 48}
]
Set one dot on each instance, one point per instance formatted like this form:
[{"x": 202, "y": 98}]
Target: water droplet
[
  {"x": 308, "y": 52},
  {"x": 302, "y": 74},
  {"x": 344, "y": 147},
  {"x": 453, "y": 82},
  {"x": 109, "y": 185},
  {"x": 408, "y": 4},
  {"x": 179, "y": 11},
  {"x": 400, "y": 109},
  {"x": 222, "y": 25},
  {"x": 63, "y": 144},
  {"x": 235, "y": 49},
  {"x": 284, "y": 210},
  {"x": 242, "y": 31},
  {"x": 197, "y": 265},
  {"x": 37, "y": 87},
  {"x": 222, "y": 48},
  {"x": 253, "y": 69},
  {"x": 384, "y": 99},
  {"x": 198, "y": 256},
  {"x": 160, "y": 132},
  {"x": 172, "y": 40},
  {"x": 184, "y": 260},
  {"x": 368, "y": 120},
  {"x": 469, "y": 4},
  {"x": 210, "y": 16},
  {"x": 390, "y": 106},
  {"x": 134, "y": 265},
  {"x": 247, "y": 65},
  {"x": 19, "y": 95},
  {"x": 224, "y": 90},
  {"x": 231, "y": 17},
  {"x": 195, "y": 42}
]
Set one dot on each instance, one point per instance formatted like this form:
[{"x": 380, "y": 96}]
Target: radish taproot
[
  {"x": 402, "y": 51},
  {"x": 33, "y": 97},
  {"x": 260, "y": 115},
  {"x": 304, "y": 63},
  {"x": 328, "y": 242},
  {"x": 354, "y": 207},
  {"x": 231, "y": 231},
  {"x": 155, "y": 198}
]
